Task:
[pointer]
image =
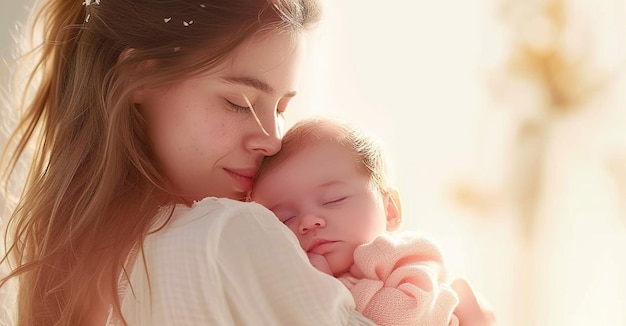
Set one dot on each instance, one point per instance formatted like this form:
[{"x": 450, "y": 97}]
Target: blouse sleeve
[{"x": 268, "y": 280}]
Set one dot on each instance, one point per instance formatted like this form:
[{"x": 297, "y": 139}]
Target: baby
[{"x": 329, "y": 185}]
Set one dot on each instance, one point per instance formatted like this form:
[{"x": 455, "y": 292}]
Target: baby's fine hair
[
  {"x": 93, "y": 187},
  {"x": 370, "y": 156}
]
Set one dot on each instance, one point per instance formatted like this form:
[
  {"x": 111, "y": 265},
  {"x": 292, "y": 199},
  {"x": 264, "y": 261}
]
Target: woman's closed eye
[{"x": 238, "y": 108}]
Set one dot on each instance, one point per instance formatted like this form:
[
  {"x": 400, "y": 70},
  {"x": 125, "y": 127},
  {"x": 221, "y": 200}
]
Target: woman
[{"x": 142, "y": 110}]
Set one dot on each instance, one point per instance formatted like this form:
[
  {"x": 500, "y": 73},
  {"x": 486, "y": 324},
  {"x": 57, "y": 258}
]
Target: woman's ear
[
  {"x": 139, "y": 94},
  {"x": 393, "y": 209}
]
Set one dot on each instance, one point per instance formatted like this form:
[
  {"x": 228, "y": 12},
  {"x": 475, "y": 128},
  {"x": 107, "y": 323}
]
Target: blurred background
[{"x": 506, "y": 124}]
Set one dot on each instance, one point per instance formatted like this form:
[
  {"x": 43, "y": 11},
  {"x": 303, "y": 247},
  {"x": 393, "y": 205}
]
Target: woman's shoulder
[
  {"x": 219, "y": 210},
  {"x": 211, "y": 216},
  {"x": 199, "y": 233},
  {"x": 214, "y": 229}
]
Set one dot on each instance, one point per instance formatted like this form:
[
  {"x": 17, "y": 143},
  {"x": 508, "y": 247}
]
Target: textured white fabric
[{"x": 224, "y": 262}]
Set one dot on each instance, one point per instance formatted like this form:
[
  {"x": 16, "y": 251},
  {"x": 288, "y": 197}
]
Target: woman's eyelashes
[
  {"x": 238, "y": 108},
  {"x": 247, "y": 109}
]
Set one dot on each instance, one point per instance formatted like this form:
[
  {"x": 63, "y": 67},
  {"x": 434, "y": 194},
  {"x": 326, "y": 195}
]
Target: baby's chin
[{"x": 339, "y": 265}]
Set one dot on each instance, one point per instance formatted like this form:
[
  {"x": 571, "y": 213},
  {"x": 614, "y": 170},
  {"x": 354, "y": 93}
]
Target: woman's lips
[{"x": 244, "y": 178}]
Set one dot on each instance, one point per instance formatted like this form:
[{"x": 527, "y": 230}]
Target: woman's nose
[
  {"x": 311, "y": 222},
  {"x": 267, "y": 139}
]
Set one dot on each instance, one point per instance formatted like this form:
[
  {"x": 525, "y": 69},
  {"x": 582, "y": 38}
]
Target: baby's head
[
  {"x": 367, "y": 150},
  {"x": 330, "y": 185}
]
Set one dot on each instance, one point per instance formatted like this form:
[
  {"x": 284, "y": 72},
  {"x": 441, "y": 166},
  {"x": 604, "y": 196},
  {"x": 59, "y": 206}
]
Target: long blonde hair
[{"x": 92, "y": 189}]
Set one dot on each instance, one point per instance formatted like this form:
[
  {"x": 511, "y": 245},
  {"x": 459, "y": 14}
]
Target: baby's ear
[{"x": 393, "y": 209}]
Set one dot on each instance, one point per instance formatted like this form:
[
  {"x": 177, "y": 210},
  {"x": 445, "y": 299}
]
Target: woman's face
[{"x": 205, "y": 138}]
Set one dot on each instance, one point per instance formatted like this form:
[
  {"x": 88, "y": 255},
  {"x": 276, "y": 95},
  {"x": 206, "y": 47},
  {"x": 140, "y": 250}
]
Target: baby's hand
[
  {"x": 320, "y": 262},
  {"x": 472, "y": 310}
]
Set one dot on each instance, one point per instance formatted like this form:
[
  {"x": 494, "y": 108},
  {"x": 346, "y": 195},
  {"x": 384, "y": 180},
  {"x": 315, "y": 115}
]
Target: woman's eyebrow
[{"x": 255, "y": 83}]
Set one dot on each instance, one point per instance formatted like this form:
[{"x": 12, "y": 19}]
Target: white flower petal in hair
[
  {"x": 88, "y": 2},
  {"x": 202, "y": 5},
  {"x": 187, "y": 23},
  {"x": 87, "y": 18},
  {"x": 167, "y": 19}
]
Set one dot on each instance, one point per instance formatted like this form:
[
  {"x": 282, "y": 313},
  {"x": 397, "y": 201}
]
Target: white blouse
[{"x": 224, "y": 262}]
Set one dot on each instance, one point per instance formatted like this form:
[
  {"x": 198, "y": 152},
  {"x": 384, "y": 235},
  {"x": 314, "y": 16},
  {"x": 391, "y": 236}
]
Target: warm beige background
[{"x": 10, "y": 12}]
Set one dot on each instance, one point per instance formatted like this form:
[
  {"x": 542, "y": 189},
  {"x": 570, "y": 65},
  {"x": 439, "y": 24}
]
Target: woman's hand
[{"x": 471, "y": 311}]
